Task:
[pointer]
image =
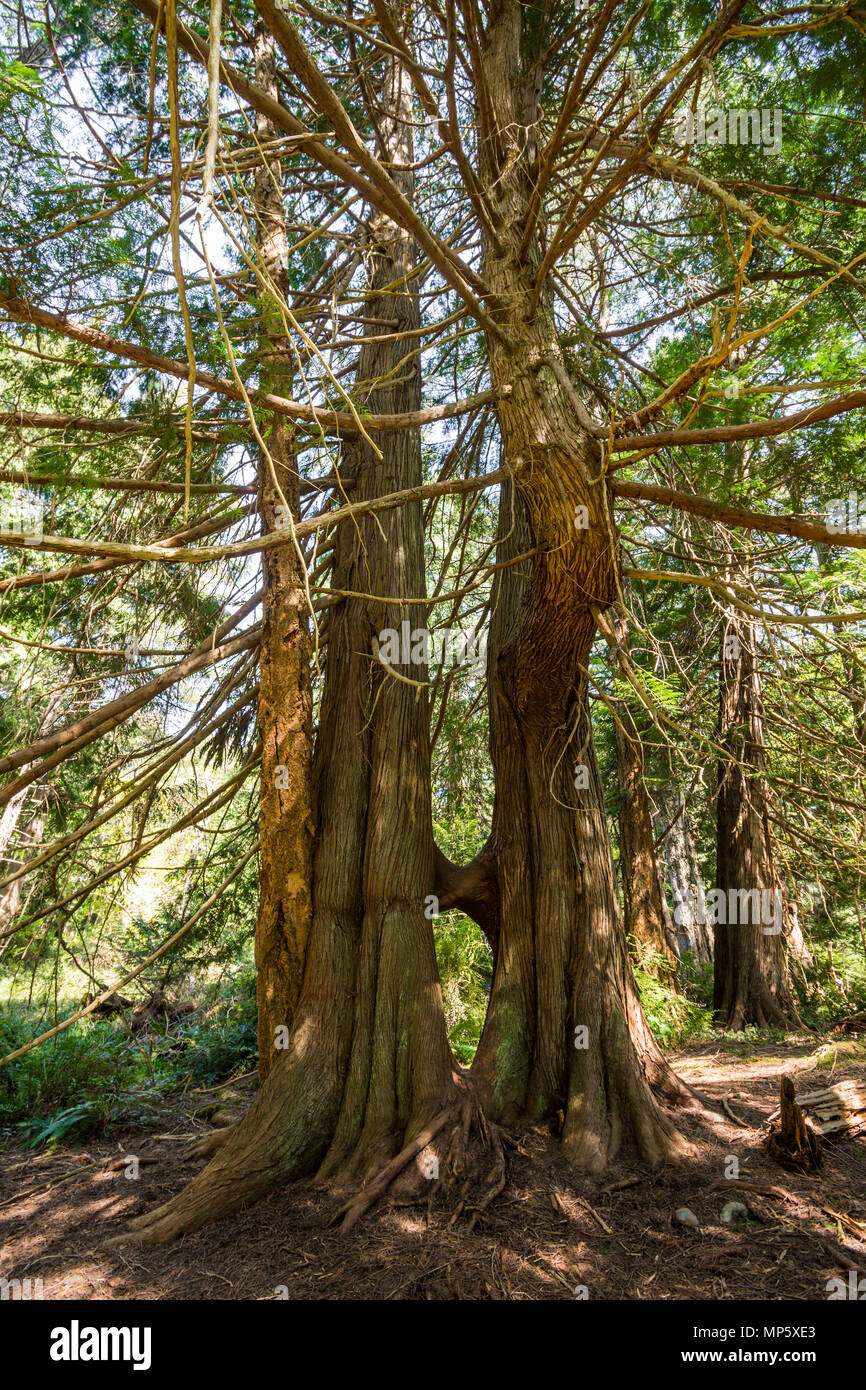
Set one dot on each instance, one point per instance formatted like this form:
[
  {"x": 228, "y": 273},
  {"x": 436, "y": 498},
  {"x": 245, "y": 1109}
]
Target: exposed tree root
[
  {"x": 282, "y": 1137},
  {"x": 355, "y": 1208},
  {"x": 459, "y": 1154},
  {"x": 496, "y": 1180},
  {"x": 209, "y": 1144},
  {"x": 452, "y": 1167}
]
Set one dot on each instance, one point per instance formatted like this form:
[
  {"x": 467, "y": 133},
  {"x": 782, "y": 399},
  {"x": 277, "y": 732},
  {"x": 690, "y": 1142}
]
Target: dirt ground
[{"x": 548, "y": 1234}]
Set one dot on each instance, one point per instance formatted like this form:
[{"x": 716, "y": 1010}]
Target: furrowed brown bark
[
  {"x": 562, "y": 965},
  {"x": 377, "y": 726}
]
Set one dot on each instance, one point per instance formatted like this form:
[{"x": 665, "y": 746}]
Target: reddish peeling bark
[{"x": 285, "y": 697}]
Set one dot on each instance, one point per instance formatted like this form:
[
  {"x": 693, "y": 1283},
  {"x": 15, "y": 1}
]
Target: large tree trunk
[
  {"x": 368, "y": 1066},
  {"x": 377, "y": 870},
  {"x": 285, "y": 700},
  {"x": 752, "y": 983},
  {"x": 565, "y": 1028},
  {"x": 646, "y": 912}
]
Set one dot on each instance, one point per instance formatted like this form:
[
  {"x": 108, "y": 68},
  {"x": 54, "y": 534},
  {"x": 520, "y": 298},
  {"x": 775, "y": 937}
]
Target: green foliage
[
  {"x": 696, "y": 980},
  {"x": 97, "y": 1075},
  {"x": 78, "y": 1083},
  {"x": 222, "y": 1039},
  {"x": 462, "y": 953},
  {"x": 672, "y": 1016},
  {"x": 834, "y": 982},
  {"x": 16, "y": 77},
  {"x": 465, "y": 969}
]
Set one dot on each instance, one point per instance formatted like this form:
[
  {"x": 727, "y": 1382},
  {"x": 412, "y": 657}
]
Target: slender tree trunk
[
  {"x": 752, "y": 983},
  {"x": 693, "y": 935},
  {"x": 285, "y": 701},
  {"x": 646, "y": 912}
]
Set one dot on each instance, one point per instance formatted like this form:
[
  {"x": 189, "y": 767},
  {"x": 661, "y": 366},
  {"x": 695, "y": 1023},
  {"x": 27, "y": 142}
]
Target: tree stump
[{"x": 792, "y": 1141}]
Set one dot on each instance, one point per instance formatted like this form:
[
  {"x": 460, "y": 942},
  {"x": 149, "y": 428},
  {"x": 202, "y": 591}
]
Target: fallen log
[
  {"x": 158, "y": 1007},
  {"x": 855, "y": 1023},
  {"x": 109, "y": 1007},
  {"x": 834, "y": 1110}
]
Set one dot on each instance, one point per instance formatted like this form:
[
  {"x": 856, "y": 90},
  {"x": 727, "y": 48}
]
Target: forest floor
[{"x": 549, "y": 1232}]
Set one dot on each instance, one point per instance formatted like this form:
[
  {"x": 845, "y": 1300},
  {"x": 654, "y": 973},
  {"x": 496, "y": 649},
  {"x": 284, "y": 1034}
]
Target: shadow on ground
[{"x": 551, "y": 1231}]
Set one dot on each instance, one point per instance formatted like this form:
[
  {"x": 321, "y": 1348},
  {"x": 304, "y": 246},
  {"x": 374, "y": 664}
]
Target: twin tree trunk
[
  {"x": 347, "y": 948},
  {"x": 367, "y": 1062}
]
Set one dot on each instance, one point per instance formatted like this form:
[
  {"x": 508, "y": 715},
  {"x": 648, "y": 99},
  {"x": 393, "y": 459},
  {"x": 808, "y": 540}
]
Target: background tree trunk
[
  {"x": 751, "y": 983},
  {"x": 693, "y": 935},
  {"x": 645, "y": 909}
]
